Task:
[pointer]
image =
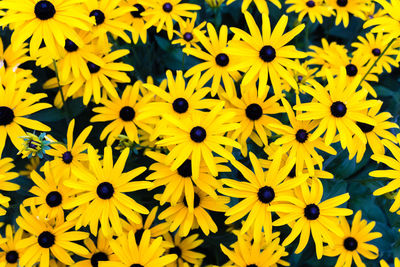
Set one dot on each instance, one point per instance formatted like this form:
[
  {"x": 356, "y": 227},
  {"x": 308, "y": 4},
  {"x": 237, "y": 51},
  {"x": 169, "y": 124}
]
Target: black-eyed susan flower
[
  {"x": 6, "y": 175},
  {"x": 295, "y": 141},
  {"x": 10, "y": 255},
  {"x": 247, "y": 254},
  {"x": 198, "y": 136},
  {"x": 371, "y": 46},
  {"x": 104, "y": 187},
  {"x": 46, "y": 239},
  {"x": 184, "y": 249},
  {"x": 136, "y": 20},
  {"x": 339, "y": 107},
  {"x": 11, "y": 58},
  {"x": 217, "y": 61},
  {"x": 50, "y": 194},
  {"x": 123, "y": 113},
  {"x": 393, "y": 162},
  {"x": 302, "y": 80},
  {"x": 306, "y": 214},
  {"x": 253, "y": 111},
  {"x": 179, "y": 182},
  {"x": 146, "y": 253},
  {"x": 98, "y": 252},
  {"x": 186, "y": 35},
  {"x": 164, "y": 12},
  {"x": 107, "y": 17},
  {"x": 35, "y": 145},
  {"x": 185, "y": 219},
  {"x": 102, "y": 76},
  {"x": 265, "y": 55},
  {"x": 13, "y": 114},
  {"x": 71, "y": 155},
  {"x": 315, "y": 9},
  {"x": 354, "y": 242},
  {"x": 260, "y": 4},
  {"x": 49, "y": 21},
  {"x": 373, "y": 134},
  {"x": 344, "y": 8},
  {"x": 261, "y": 191}
]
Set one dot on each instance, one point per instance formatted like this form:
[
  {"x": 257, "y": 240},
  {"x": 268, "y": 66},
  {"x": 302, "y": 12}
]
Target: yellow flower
[
  {"x": 315, "y": 9},
  {"x": 186, "y": 35},
  {"x": 183, "y": 248},
  {"x": 343, "y": 8},
  {"x": 10, "y": 255}
]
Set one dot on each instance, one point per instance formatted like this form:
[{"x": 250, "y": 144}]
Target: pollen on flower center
[
  {"x": 127, "y": 113},
  {"x": 67, "y": 157},
  {"x": 53, "y": 199},
  {"x": 341, "y": 3},
  {"x": 222, "y": 59},
  {"x": 12, "y": 256},
  {"x": 137, "y": 13},
  {"x": 93, "y": 68},
  {"x": 376, "y": 52},
  {"x": 267, "y": 53},
  {"x": 70, "y": 46},
  {"x": 366, "y": 128},
  {"x": 254, "y": 111},
  {"x": 98, "y": 15},
  {"x": 185, "y": 170},
  {"x": 351, "y": 70},
  {"x": 44, "y": 10},
  {"x": 46, "y": 239},
  {"x": 6, "y": 115},
  {"x": 311, "y": 211},
  {"x": 105, "y": 190},
  {"x": 196, "y": 201},
  {"x": 350, "y": 244},
  {"x": 96, "y": 257},
  {"x": 167, "y": 7},
  {"x": 338, "y": 109},
  {"x": 301, "y": 136},
  {"x": 188, "y": 36},
  {"x": 176, "y": 250},
  {"x": 266, "y": 194},
  {"x": 310, "y": 3},
  {"x": 180, "y": 105},
  {"x": 198, "y": 134}
]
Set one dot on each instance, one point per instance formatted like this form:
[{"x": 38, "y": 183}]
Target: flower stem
[
  {"x": 65, "y": 106},
  {"x": 376, "y": 61}
]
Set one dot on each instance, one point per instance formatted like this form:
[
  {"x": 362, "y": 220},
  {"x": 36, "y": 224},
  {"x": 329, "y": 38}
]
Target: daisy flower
[
  {"x": 252, "y": 110},
  {"x": 180, "y": 182},
  {"x": 47, "y": 240},
  {"x": 185, "y": 219},
  {"x": 344, "y": 7},
  {"x": 49, "y": 21},
  {"x": 104, "y": 188},
  {"x": 165, "y": 12},
  {"x": 102, "y": 76},
  {"x": 260, "y": 192},
  {"x": 10, "y": 255},
  {"x": 99, "y": 252},
  {"x": 354, "y": 242},
  {"x": 294, "y": 140},
  {"x": 393, "y": 162},
  {"x": 186, "y": 35},
  {"x": 373, "y": 133},
  {"x": 13, "y": 114},
  {"x": 70, "y": 155},
  {"x": 306, "y": 214},
  {"x": 148, "y": 253},
  {"x": 372, "y": 46},
  {"x": 107, "y": 16},
  {"x": 183, "y": 248},
  {"x": 265, "y": 55},
  {"x": 123, "y": 113},
  {"x": 217, "y": 62},
  {"x": 135, "y": 19},
  {"x": 50, "y": 194},
  {"x": 315, "y": 9},
  {"x": 198, "y": 136},
  {"x": 339, "y": 107}
]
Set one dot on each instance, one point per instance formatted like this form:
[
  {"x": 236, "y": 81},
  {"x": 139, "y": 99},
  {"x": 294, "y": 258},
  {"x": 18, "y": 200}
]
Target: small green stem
[
  {"x": 65, "y": 107},
  {"x": 376, "y": 61}
]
